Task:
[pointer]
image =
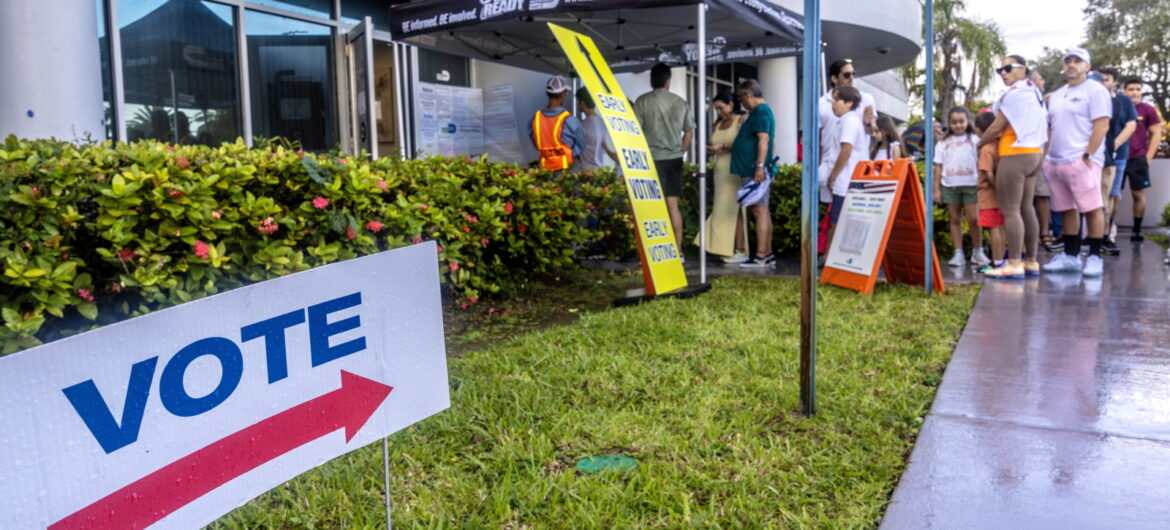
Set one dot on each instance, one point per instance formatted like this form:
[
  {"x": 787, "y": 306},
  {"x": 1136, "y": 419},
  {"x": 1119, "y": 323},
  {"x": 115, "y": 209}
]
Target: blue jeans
[{"x": 1118, "y": 177}]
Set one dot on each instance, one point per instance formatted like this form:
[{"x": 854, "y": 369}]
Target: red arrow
[{"x": 158, "y": 494}]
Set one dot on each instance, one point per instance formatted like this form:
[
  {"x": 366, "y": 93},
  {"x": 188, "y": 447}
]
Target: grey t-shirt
[
  {"x": 593, "y": 154},
  {"x": 664, "y": 116}
]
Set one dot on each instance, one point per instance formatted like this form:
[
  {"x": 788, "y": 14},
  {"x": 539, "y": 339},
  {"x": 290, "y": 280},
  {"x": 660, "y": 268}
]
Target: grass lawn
[{"x": 702, "y": 392}]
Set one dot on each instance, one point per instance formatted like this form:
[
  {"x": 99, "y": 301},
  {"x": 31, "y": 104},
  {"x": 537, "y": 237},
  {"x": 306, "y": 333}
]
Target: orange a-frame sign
[{"x": 883, "y": 222}]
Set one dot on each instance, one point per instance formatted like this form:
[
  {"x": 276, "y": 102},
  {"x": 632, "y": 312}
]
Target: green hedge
[{"x": 93, "y": 234}]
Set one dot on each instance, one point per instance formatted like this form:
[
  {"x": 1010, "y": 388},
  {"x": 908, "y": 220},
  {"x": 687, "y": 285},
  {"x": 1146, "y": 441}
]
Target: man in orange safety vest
[{"x": 556, "y": 133}]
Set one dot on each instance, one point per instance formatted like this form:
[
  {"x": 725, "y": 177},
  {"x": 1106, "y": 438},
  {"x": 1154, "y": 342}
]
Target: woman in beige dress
[{"x": 722, "y": 239}]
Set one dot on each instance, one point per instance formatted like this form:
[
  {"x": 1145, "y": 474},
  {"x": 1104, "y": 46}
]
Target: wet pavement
[{"x": 1055, "y": 410}]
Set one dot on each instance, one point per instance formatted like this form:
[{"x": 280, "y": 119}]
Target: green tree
[
  {"x": 1050, "y": 64},
  {"x": 1132, "y": 35}
]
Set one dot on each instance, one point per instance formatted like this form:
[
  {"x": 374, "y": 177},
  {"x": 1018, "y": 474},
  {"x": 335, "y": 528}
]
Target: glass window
[
  {"x": 353, "y": 11},
  {"x": 442, "y": 68},
  {"x": 290, "y": 65},
  {"x": 317, "y": 8},
  {"x": 107, "y": 84},
  {"x": 179, "y": 70}
]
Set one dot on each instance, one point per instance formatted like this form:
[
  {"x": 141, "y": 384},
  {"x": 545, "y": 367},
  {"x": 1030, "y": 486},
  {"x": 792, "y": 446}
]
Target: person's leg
[
  {"x": 1138, "y": 173},
  {"x": 1009, "y": 186},
  {"x": 740, "y": 232},
  {"x": 976, "y": 233},
  {"x": 955, "y": 216},
  {"x": 1139, "y": 209},
  {"x": 1028, "y": 214},
  {"x": 997, "y": 243},
  {"x": 763, "y": 230},
  {"x": 1042, "y": 211},
  {"x": 676, "y": 220}
]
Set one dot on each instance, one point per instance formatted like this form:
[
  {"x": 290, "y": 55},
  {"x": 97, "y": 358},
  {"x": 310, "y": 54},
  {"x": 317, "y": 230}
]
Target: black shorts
[
  {"x": 670, "y": 176},
  {"x": 1137, "y": 173}
]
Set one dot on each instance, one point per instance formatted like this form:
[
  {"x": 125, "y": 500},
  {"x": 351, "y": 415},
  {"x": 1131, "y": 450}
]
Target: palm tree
[{"x": 960, "y": 42}]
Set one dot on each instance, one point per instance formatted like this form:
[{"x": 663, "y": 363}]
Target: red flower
[
  {"x": 126, "y": 254},
  {"x": 170, "y": 148},
  {"x": 423, "y": 207},
  {"x": 523, "y": 228},
  {"x": 467, "y": 229},
  {"x": 463, "y": 305},
  {"x": 382, "y": 184},
  {"x": 349, "y": 232},
  {"x": 473, "y": 298},
  {"x": 85, "y": 294},
  {"x": 176, "y": 193},
  {"x": 182, "y": 162},
  {"x": 267, "y": 226},
  {"x": 320, "y": 202},
  {"x": 471, "y": 218},
  {"x": 453, "y": 266},
  {"x": 202, "y": 251},
  {"x": 557, "y": 189},
  {"x": 508, "y": 208},
  {"x": 484, "y": 241},
  {"x": 374, "y": 226},
  {"x": 416, "y": 240},
  {"x": 510, "y": 172},
  {"x": 341, "y": 160},
  {"x": 438, "y": 248},
  {"x": 301, "y": 153},
  {"x": 36, "y": 192}
]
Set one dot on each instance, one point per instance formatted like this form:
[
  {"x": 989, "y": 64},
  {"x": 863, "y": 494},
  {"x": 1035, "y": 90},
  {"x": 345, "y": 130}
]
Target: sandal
[{"x": 1051, "y": 243}]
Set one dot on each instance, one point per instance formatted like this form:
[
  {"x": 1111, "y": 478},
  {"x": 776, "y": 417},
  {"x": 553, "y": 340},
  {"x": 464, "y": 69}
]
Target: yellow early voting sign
[{"x": 661, "y": 263}]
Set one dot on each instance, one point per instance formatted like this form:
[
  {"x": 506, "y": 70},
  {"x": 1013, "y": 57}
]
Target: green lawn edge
[{"x": 702, "y": 392}]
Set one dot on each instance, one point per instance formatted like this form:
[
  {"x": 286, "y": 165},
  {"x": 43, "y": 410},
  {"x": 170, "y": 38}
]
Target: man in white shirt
[
  {"x": 845, "y": 151},
  {"x": 840, "y": 74},
  {"x": 1078, "y": 119}
]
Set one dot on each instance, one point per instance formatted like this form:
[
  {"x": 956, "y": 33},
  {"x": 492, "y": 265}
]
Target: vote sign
[{"x": 175, "y": 418}]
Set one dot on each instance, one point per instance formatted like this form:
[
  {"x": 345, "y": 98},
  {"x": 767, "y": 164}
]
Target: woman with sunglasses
[{"x": 1021, "y": 129}]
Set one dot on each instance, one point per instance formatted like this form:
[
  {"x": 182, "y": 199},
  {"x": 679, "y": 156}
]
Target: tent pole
[
  {"x": 928, "y": 139},
  {"x": 809, "y": 206},
  {"x": 701, "y": 142}
]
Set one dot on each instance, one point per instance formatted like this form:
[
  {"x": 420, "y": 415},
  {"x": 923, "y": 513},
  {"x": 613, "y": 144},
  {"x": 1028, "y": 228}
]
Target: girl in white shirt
[
  {"x": 887, "y": 143},
  {"x": 956, "y": 174}
]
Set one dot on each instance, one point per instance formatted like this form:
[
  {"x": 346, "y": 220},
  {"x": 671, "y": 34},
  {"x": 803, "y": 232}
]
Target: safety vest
[{"x": 546, "y": 130}]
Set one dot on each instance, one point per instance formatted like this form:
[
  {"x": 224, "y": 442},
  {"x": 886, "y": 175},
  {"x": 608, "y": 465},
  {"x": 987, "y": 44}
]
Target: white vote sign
[{"x": 175, "y": 418}]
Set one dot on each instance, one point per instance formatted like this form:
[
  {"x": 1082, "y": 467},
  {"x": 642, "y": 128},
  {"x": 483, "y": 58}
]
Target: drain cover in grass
[{"x": 619, "y": 463}]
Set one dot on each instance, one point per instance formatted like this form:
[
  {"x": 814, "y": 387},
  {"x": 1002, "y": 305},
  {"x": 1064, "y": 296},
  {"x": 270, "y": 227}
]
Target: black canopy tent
[{"x": 632, "y": 35}]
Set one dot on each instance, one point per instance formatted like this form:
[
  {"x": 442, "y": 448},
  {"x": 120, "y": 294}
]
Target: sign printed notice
[
  {"x": 863, "y": 222},
  {"x": 660, "y": 255},
  {"x": 175, "y": 418}
]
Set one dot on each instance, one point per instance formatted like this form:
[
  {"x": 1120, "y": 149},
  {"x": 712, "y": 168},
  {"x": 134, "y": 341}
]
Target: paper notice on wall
[
  {"x": 501, "y": 137},
  {"x": 450, "y": 120}
]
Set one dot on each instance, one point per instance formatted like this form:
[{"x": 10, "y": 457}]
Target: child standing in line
[
  {"x": 990, "y": 216},
  {"x": 955, "y": 180},
  {"x": 887, "y": 144},
  {"x": 849, "y": 147}
]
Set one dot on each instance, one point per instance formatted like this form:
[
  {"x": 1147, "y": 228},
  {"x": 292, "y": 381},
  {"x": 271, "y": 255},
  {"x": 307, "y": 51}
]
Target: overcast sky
[{"x": 1030, "y": 25}]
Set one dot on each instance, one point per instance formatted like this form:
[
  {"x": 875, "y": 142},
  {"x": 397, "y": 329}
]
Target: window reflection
[
  {"x": 352, "y": 12},
  {"x": 289, "y": 64},
  {"x": 319, "y": 8},
  {"x": 107, "y": 91},
  {"x": 179, "y": 69}
]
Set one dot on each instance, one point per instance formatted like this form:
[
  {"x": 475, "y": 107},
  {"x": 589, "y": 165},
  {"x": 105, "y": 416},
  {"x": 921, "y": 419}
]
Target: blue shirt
[
  {"x": 745, "y": 148},
  {"x": 1123, "y": 113},
  {"x": 572, "y": 134}
]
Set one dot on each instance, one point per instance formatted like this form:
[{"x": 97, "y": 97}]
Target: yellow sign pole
[{"x": 661, "y": 257}]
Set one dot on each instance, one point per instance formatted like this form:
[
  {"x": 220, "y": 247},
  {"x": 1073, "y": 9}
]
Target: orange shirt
[
  {"x": 1008, "y": 138},
  {"x": 985, "y": 190}
]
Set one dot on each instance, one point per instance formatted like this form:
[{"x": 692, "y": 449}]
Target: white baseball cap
[
  {"x": 556, "y": 85},
  {"x": 1080, "y": 53}
]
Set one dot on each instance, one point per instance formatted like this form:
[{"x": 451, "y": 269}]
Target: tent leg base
[{"x": 638, "y": 296}]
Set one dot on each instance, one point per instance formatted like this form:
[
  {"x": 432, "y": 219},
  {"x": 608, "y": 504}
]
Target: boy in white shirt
[{"x": 849, "y": 147}]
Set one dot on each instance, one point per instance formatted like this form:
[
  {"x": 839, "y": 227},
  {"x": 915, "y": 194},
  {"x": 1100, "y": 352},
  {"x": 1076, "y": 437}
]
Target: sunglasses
[
  {"x": 846, "y": 75},
  {"x": 1008, "y": 68}
]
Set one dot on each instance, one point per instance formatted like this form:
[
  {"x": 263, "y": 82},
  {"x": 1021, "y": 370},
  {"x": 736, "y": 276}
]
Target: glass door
[{"x": 360, "y": 52}]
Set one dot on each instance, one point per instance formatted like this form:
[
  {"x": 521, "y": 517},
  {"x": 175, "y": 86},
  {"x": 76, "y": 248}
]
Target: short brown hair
[{"x": 848, "y": 94}]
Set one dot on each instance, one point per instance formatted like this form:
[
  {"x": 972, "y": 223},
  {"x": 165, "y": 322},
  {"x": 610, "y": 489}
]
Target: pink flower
[
  {"x": 320, "y": 202},
  {"x": 126, "y": 254},
  {"x": 182, "y": 162},
  {"x": 202, "y": 251},
  {"x": 473, "y": 298},
  {"x": 557, "y": 189},
  {"x": 484, "y": 241},
  {"x": 217, "y": 214},
  {"x": 85, "y": 294},
  {"x": 374, "y": 226},
  {"x": 341, "y": 160},
  {"x": 36, "y": 192},
  {"x": 267, "y": 226},
  {"x": 463, "y": 305},
  {"x": 467, "y": 229},
  {"x": 438, "y": 248},
  {"x": 170, "y": 148},
  {"x": 382, "y": 184},
  {"x": 508, "y": 208},
  {"x": 453, "y": 266},
  {"x": 349, "y": 232},
  {"x": 416, "y": 240},
  {"x": 510, "y": 172},
  {"x": 301, "y": 154},
  {"x": 176, "y": 193},
  {"x": 523, "y": 228},
  {"x": 423, "y": 207}
]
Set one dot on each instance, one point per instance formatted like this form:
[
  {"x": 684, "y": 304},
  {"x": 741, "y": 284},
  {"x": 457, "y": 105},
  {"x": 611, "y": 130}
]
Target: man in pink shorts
[{"x": 1078, "y": 119}]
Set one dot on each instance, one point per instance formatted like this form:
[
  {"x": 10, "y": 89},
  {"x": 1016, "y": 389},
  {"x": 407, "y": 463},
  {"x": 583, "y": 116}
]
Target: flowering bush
[{"x": 94, "y": 234}]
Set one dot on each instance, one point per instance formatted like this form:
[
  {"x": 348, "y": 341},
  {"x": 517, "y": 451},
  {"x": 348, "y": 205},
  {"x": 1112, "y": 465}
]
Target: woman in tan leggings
[{"x": 1021, "y": 129}]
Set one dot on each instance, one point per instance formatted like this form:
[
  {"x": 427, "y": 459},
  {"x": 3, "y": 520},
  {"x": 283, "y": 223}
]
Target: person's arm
[
  {"x": 938, "y": 183},
  {"x": 1123, "y": 136},
  {"x": 1155, "y": 141},
  {"x": 839, "y": 165},
  {"x": 688, "y": 136},
  {"x": 761, "y": 153},
  {"x": 993, "y": 131},
  {"x": 896, "y": 152},
  {"x": 1100, "y": 129}
]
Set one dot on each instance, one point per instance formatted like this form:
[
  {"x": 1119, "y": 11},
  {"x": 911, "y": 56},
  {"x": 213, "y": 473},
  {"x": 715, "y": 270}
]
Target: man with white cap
[
  {"x": 1078, "y": 120},
  {"x": 556, "y": 133}
]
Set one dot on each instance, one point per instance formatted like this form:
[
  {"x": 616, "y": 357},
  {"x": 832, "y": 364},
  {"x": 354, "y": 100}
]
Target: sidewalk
[{"x": 1055, "y": 409}]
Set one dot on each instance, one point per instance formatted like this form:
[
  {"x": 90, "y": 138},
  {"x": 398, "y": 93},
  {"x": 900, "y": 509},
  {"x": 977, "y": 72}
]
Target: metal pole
[
  {"x": 175, "y": 104},
  {"x": 928, "y": 139},
  {"x": 809, "y": 207},
  {"x": 386, "y": 477},
  {"x": 701, "y": 144}
]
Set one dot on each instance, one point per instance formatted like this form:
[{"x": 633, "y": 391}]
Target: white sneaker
[
  {"x": 1094, "y": 267},
  {"x": 980, "y": 258},
  {"x": 958, "y": 260},
  {"x": 1062, "y": 263},
  {"x": 738, "y": 257}
]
